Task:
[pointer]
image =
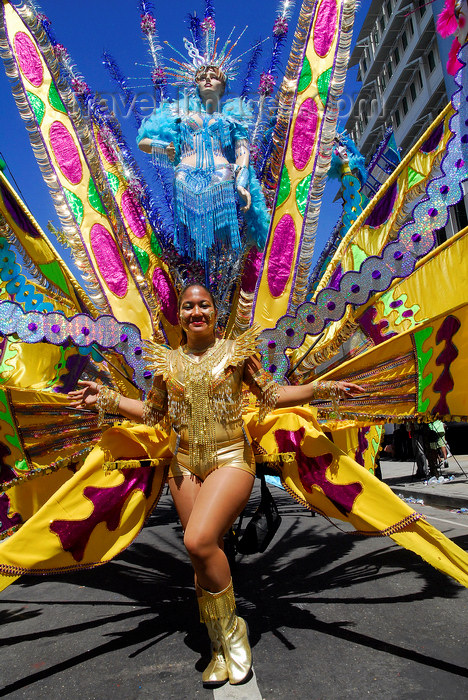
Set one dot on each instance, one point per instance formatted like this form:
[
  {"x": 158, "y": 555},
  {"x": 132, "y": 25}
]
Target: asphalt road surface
[{"x": 331, "y": 615}]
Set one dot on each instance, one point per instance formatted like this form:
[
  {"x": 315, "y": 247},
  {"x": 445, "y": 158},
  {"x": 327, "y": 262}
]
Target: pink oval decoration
[
  {"x": 325, "y": 27},
  {"x": 29, "y": 59},
  {"x": 305, "y": 130},
  {"x": 133, "y": 214},
  {"x": 166, "y": 295},
  {"x": 281, "y": 255},
  {"x": 66, "y": 152},
  {"x": 105, "y": 150},
  {"x": 251, "y": 270},
  {"x": 108, "y": 260}
]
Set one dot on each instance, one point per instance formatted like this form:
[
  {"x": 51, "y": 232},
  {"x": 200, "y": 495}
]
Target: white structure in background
[{"x": 403, "y": 81}]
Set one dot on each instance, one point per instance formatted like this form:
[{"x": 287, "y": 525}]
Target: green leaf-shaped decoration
[
  {"x": 37, "y": 105},
  {"x": 284, "y": 187},
  {"x": 155, "y": 247},
  {"x": 113, "y": 181},
  {"x": 302, "y": 192},
  {"x": 55, "y": 99},
  {"x": 143, "y": 258},
  {"x": 323, "y": 85},
  {"x": 306, "y": 76},
  {"x": 94, "y": 198},
  {"x": 76, "y": 205}
]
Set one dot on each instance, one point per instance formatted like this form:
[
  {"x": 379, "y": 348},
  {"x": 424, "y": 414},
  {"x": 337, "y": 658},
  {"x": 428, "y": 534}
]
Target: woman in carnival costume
[
  {"x": 194, "y": 423},
  {"x": 209, "y": 148},
  {"x": 197, "y": 393}
]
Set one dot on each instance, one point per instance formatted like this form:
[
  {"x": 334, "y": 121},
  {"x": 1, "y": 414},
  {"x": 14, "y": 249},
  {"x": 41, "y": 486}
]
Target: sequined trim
[
  {"x": 73, "y": 460},
  {"x": 108, "y": 401},
  {"x": 155, "y": 407},
  {"x": 202, "y": 400},
  {"x": 215, "y": 606},
  {"x": 120, "y": 464}
]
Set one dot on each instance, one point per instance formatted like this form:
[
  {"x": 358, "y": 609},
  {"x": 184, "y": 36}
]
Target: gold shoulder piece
[
  {"x": 157, "y": 358},
  {"x": 245, "y": 345}
]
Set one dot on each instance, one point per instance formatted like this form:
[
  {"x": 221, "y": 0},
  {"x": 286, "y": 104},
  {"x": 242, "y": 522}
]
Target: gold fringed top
[{"x": 204, "y": 393}]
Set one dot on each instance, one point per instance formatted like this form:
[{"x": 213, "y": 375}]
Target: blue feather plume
[
  {"x": 247, "y": 82},
  {"x": 117, "y": 76},
  {"x": 194, "y": 23},
  {"x": 146, "y": 7},
  {"x": 209, "y": 9},
  {"x": 275, "y": 60}
]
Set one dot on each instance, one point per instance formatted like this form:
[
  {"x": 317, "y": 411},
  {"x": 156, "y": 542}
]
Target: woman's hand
[
  {"x": 171, "y": 152},
  {"x": 85, "y": 397},
  {"x": 349, "y": 389},
  {"x": 245, "y": 196}
]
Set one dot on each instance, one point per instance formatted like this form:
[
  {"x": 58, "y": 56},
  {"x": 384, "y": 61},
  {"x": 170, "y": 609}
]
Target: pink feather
[
  {"x": 453, "y": 64},
  {"x": 447, "y": 22}
]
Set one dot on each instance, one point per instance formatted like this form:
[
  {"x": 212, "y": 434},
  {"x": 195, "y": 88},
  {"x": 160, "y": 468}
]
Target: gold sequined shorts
[{"x": 237, "y": 454}]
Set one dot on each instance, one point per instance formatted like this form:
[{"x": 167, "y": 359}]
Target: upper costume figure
[{"x": 208, "y": 146}]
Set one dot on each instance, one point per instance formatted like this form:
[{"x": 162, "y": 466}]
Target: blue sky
[{"x": 90, "y": 26}]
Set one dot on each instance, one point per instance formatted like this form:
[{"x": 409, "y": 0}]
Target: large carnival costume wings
[{"x": 122, "y": 237}]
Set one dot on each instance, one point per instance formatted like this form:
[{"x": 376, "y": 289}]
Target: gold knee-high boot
[
  {"x": 219, "y": 610},
  {"x": 216, "y": 672}
]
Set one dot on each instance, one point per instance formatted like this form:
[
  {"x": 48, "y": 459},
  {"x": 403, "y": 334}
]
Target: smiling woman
[
  {"x": 198, "y": 387},
  {"x": 201, "y": 413}
]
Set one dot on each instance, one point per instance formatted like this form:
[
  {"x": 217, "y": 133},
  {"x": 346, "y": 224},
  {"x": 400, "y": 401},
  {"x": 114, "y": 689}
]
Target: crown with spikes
[
  {"x": 186, "y": 72},
  {"x": 203, "y": 50}
]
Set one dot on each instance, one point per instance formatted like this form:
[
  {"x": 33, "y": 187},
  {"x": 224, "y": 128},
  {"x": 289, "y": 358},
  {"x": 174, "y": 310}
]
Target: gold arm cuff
[
  {"x": 268, "y": 400},
  {"x": 108, "y": 401}
]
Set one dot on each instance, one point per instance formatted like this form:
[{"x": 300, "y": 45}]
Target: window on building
[
  {"x": 411, "y": 26},
  {"x": 419, "y": 80},
  {"x": 404, "y": 104},
  {"x": 431, "y": 60},
  {"x": 376, "y": 37},
  {"x": 397, "y": 117},
  {"x": 388, "y": 6},
  {"x": 441, "y": 235},
  {"x": 365, "y": 118},
  {"x": 412, "y": 89},
  {"x": 460, "y": 218},
  {"x": 396, "y": 55},
  {"x": 404, "y": 41},
  {"x": 389, "y": 69},
  {"x": 383, "y": 82},
  {"x": 382, "y": 23},
  {"x": 422, "y": 9}
]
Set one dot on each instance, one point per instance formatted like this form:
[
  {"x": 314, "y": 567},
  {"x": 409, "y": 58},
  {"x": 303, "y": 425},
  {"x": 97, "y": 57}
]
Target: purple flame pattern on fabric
[
  {"x": 313, "y": 471},
  {"x": 108, "y": 503}
]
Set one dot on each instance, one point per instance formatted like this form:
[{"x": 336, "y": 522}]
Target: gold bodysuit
[{"x": 201, "y": 398}]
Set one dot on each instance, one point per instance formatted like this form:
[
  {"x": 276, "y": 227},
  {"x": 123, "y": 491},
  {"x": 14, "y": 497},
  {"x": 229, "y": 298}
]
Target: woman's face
[
  {"x": 209, "y": 84},
  {"x": 197, "y": 313}
]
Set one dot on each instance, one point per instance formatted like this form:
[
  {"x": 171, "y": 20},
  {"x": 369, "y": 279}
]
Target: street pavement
[
  {"x": 331, "y": 615},
  {"x": 449, "y": 490}
]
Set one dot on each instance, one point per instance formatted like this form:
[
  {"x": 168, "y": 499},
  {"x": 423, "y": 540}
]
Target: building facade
[{"x": 404, "y": 81}]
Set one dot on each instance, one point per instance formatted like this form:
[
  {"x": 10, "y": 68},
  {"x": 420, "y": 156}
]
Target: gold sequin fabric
[
  {"x": 107, "y": 401},
  {"x": 204, "y": 394}
]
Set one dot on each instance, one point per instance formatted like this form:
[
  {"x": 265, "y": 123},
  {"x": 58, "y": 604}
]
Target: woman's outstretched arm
[
  {"x": 288, "y": 396},
  {"x": 87, "y": 397}
]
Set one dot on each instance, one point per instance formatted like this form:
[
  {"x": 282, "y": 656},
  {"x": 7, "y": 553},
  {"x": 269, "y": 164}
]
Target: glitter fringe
[
  {"x": 330, "y": 118},
  {"x": 62, "y": 463},
  {"x": 216, "y": 606}
]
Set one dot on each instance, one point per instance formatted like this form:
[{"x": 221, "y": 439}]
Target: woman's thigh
[
  {"x": 184, "y": 491},
  {"x": 222, "y": 497}
]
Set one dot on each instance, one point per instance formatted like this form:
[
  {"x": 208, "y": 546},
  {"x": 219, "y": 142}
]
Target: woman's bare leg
[{"x": 206, "y": 512}]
